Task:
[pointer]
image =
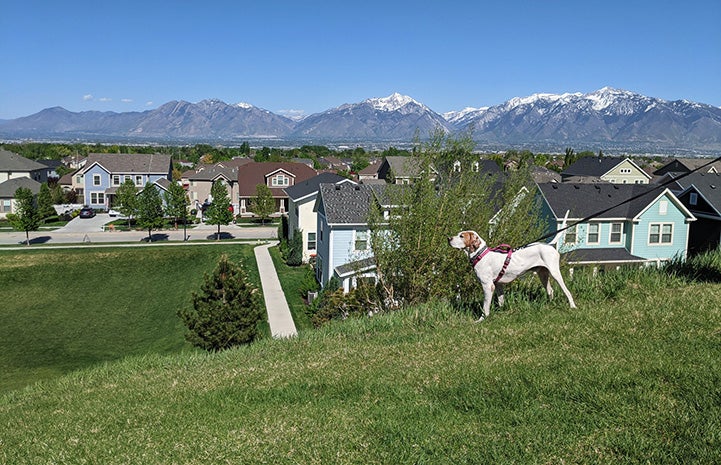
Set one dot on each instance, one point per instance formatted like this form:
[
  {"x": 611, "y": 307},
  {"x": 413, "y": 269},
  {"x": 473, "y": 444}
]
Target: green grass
[
  {"x": 64, "y": 310},
  {"x": 631, "y": 376}
]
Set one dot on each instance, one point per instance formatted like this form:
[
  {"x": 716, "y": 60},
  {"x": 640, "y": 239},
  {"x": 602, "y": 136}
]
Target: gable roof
[
  {"x": 8, "y": 188},
  {"x": 684, "y": 165},
  {"x": 211, "y": 173},
  {"x": 10, "y": 161},
  {"x": 583, "y": 200},
  {"x": 404, "y": 167},
  {"x": 345, "y": 203},
  {"x": 254, "y": 173},
  {"x": 310, "y": 186},
  {"x": 156, "y": 163},
  {"x": 706, "y": 184},
  {"x": 598, "y": 166}
]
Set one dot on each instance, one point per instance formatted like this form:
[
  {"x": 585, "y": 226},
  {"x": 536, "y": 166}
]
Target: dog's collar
[{"x": 478, "y": 255}]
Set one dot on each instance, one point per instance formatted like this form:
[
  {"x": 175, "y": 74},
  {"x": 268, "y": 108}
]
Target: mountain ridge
[{"x": 609, "y": 117}]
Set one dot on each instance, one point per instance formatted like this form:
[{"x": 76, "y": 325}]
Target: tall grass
[{"x": 631, "y": 376}]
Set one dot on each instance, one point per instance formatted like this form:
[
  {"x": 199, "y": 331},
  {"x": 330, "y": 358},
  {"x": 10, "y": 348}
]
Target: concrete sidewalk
[{"x": 279, "y": 317}]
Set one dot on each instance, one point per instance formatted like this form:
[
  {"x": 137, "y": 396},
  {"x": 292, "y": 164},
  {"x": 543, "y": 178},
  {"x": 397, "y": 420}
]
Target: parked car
[
  {"x": 86, "y": 212},
  {"x": 113, "y": 213}
]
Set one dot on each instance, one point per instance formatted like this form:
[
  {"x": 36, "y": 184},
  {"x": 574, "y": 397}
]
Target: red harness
[{"x": 503, "y": 248}]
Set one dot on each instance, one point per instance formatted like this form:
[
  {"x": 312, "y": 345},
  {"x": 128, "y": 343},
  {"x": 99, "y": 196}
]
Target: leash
[
  {"x": 503, "y": 248},
  {"x": 597, "y": 214}
]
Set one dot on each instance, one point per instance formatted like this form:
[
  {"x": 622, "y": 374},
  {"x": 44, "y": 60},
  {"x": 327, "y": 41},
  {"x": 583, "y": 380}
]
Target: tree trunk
[
  {"x": 27, "y": 238},
  {"x": 150, "y": 236},
  {"x": 217, "y": 236}
]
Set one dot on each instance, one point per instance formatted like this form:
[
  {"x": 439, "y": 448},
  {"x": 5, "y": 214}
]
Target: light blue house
[
  {"x": 105, "y": 172},
  {"x": 650, "y": 227},
  {"x": 344, "y": 240}
]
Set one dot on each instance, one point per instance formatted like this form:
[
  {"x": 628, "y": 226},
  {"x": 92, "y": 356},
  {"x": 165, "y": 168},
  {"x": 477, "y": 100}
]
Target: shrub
[{"x": 226, "y": 311}]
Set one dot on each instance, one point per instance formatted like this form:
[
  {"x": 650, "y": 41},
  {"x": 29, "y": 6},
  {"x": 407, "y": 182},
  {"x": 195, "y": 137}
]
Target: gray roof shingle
[
  {"x": 10, "y": 161},
  {"x": 311, "y": 185},
  {"x": 130, "y": 162},
  {"x": 8, "y": 188},
  {"x": 346, "y": 203}
]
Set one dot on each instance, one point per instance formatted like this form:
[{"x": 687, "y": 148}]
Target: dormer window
[
  {"x": 476, "y": 167},
  {"x": 279, "y": 180}
]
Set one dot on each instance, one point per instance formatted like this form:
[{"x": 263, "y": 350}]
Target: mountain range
[{"x": 606, "y": 119}]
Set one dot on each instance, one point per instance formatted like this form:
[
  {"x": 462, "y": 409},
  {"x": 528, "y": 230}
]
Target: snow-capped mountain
[
  {"x": 604, "y": 119},
  {"x": 605, "y": 116},
  {"x": 396, "y": 117}
]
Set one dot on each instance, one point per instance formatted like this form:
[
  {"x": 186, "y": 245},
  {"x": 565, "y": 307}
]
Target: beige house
[
  {"x": 13, "y": 166},
  {"x": 614, "y": 170}
]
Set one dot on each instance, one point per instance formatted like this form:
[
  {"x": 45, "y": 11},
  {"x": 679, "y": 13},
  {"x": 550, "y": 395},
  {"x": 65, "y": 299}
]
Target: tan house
[
  {"x": 614, "y": 170},
  {"x": 276, "y": 175},
  {"x": 13, "y": 166}
]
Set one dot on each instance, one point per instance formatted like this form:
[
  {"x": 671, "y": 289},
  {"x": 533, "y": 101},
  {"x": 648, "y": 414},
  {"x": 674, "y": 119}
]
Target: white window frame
[
  {"x": 597, "y": 226},
  {"x": 660, "y": 234},
  {"x": 279, "y": 180},
  {"x": 312, "y": 242},
  {"x": 611, "y": 233},
  {"x": 96, "y": 180},
  {"x": 97, "y": 198},
  {"x": 625, "y": 170},
  {"x": 139, "y": 180},
  {"x": 116, "y": 180},
  {"x": 571, "y": 233},
  {"x": 360, "y": 238}
]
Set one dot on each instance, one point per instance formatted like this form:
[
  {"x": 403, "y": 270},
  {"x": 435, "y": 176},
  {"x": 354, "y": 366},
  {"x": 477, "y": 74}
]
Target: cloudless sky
[{"x": 309, "y": 56}]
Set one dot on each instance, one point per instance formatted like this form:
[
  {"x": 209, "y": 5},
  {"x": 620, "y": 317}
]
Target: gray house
[
  {"x": 701, "y": 193},
  {"x": 14, "y": 166},
  {"x": 7, "y": 193}
]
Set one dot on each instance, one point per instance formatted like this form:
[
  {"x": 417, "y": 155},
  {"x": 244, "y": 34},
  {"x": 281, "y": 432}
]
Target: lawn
[
  {"x": 291, "y": 279},
  {"x": 64, "y": 310},
  {"x": 631, "y": 376}
]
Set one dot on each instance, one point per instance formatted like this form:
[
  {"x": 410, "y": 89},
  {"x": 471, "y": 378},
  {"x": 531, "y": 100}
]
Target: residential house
[
  {"x": 686, "y": 165},
  {"x": 633, "y": 223},
  {"x": 14, "y": 166},
  {"x": 613, "y": 170},
  {"x": 105, "y": 172},
  {"x": 7, "y": 193},
  {"x": 700, "y": 192},
  {"x": 301, "y": 216},
  {"x": 199, "y": 182},
  {"x": 370, "y": 172},
  {"x": 276, "y": 175},
  {"x": 343, "y": 240}
]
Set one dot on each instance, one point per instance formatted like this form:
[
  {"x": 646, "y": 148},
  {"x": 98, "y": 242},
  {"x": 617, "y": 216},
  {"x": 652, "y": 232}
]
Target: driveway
[{"x": 86, "y": 225}]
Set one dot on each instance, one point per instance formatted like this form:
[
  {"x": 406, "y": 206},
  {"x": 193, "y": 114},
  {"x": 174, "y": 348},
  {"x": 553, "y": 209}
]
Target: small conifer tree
[{"x": 226, "y": 311}]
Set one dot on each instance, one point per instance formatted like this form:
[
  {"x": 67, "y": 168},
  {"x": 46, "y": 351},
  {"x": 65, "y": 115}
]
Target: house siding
[
  {"x": 653, "y": 215},
  {"x": 617, "y": 176},
  {"x": 91, "y": 188}
]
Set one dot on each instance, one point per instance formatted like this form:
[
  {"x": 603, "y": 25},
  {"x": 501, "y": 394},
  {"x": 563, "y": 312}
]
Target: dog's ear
[{"x": 475, "y": 241}]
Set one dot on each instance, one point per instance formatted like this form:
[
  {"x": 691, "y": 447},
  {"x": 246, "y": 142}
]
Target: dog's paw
[{"x": 480, "y": 320}]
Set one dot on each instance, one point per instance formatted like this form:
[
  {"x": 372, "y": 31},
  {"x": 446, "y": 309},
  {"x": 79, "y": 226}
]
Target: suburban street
[{"x": 94, "y": 231}]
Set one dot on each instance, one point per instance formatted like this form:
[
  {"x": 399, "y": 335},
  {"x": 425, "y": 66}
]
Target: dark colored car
[{"x": 87, "y": 212}]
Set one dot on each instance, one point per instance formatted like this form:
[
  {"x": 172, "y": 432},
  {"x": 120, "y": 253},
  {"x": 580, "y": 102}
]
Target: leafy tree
[
  {"x": 219, "y": 212},
  {"x": 126, "y": 199},
  {"x": 263, "y": 204},
  {"x": 57, "y": 195},
  {"x": 176, "y": 202},
  {"x": 26, "y": 217},
  {"x": 245, "y": 148},
  {"x": 410, "y": 244},
  {"x": 45, "y": 202},
  {"x": 150, "y": 209},
  {"x": 226, "y": 311}
]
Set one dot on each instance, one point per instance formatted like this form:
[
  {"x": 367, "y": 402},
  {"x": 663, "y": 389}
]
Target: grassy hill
[
  {"x": 632, "y": 376},
  {"x": 67, "y": 309}
]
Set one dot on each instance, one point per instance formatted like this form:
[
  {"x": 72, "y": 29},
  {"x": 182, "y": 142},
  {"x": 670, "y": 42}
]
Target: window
[
  {"x": 593, "y": 236},
  {"x": 693, "y": 198},
  {"x": 97, "y": 198},
  {"x": 116, "y": 180},
  {"x": 476, "y": 167},
  {"x": 311, "y": 241},
  {"x": 625, "y": 170},
  {"x": 279, "y": 180},
  {"x": 6, "y": 206},
  {"x": 138, "y": 180},
  {"x": 96, "y": 180},
  {"x": 663, "y": 207},
  {"x": 660, "y": 233},
  {"x": 361, "y": 240},
  {"x": 616, "y": 230},
  {"x": 457, "y": 166},
  {"x": 571, "y": 236}
]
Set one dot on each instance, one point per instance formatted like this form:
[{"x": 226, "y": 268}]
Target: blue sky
[{"x": 309, "y": 56}]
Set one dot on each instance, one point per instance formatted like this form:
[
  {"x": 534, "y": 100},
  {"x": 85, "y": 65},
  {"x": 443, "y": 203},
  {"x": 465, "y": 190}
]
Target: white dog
[{"x": 495, "y": 268}]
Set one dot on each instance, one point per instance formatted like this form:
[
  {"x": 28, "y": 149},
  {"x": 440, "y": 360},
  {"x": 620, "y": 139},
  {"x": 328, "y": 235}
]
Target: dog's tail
[{"x": 560, "y": 230}]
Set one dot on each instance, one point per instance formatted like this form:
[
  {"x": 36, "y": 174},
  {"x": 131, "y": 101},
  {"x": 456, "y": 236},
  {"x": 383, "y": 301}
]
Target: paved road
[{"x": 92, "y": 231}]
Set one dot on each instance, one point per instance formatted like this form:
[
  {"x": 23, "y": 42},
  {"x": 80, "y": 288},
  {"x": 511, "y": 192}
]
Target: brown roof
[{"x": 254, "y": 173}]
